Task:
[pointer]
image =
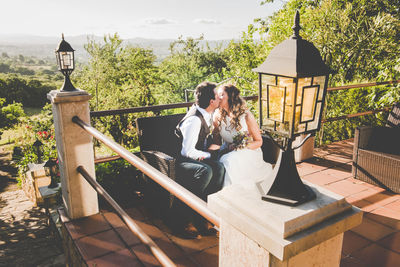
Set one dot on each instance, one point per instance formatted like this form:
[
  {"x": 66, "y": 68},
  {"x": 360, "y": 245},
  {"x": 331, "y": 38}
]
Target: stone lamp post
[{"x": 74, "y": 146}]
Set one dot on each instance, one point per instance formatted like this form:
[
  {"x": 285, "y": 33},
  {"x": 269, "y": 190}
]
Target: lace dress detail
[{"x": 243, "y": 166}]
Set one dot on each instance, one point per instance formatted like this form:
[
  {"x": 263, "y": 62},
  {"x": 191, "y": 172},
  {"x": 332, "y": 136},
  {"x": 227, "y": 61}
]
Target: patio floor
[{"x": 376, "y": 242}]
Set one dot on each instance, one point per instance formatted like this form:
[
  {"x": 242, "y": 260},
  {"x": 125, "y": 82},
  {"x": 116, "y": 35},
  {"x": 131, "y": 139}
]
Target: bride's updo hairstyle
[{"x": 236, "y": 106}]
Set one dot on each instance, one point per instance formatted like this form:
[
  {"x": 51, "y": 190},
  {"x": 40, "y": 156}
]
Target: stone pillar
[
  {"x": 74, "y": 147},
  {"x": 254, "y": 232}
]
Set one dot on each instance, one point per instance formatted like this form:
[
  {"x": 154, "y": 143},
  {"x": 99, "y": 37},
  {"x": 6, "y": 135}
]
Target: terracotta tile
[
  {"x": 372, "y": 230},
  {"x": 208, "y": 257},
  {"x": 337, "y": 159},
  {"x": 385, "y": 216},
  {"x": 395, "y": 205},
  {"x": 87, "y": 226},
  {"x": 391, "y": 242},
  {"x": 127, "y": 236},
  {"x": 145, "y": 256},
  {"x": 382, "y": 199},
  {"x": 305, "y": 169},
  {"x": 136, "y": 214},
  {"x": 184, "y": 262},
  {"x": 375, "y": 255},
  {"x": 194, "y": 245},
  {"x": 363, "y": 194},
  {"x": 169, "y": 248},
  {"x": 119, "y": 258},
  {"x": 353, "y": 242},
  {"x": 339, "y": 172},
  {"x": 319, "y": 178},
  {"x": 351, "y": 262},
  {"x": 152, "y": 231},
  {"x": 366, "y": 206},
  {"x": 346, "y": 187},
  {"x": 99, "y": 244},
  {"x": 113, "y": 219}
]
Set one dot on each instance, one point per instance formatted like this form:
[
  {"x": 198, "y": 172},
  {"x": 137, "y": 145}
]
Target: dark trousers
[{"x": 201, "y": 178}]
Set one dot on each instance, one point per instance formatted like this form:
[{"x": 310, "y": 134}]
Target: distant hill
[{"x": 44, "y": 46}]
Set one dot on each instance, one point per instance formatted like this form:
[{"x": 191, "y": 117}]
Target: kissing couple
[{"x": 221, "y": 145}]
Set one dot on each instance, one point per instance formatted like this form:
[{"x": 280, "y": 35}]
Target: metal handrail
[
  {"x": 163, "y": 180},
  {"x": 157, "y": 252},
  {"x": 154, "y": 108},
  {"x": 348, "y": 116},
  {"x": 361, "y": 85}
]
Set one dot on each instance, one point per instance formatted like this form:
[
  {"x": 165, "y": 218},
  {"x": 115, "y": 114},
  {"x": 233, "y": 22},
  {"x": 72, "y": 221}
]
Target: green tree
[
  {"x": 188, "y": 64},
  {"x": 358, "y": 39},
  {"x": 119, "y": 76},
  {"x": 10, "y": 114}
]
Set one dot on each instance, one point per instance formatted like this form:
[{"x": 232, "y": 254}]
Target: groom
[{"x": 198, "y": 169}]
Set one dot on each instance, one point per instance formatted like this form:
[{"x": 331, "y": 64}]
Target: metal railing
[
  {"x": 163, "y": 180},
  {"x": 157, "y": 108}
]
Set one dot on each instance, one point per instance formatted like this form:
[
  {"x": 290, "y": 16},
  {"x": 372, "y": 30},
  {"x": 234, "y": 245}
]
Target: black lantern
[
  {"x": 39, "y": 150},
  {"x": 51, "y": 166},
  {"x": 292, "y": 88},
  {"x": 65, "y": 62}
]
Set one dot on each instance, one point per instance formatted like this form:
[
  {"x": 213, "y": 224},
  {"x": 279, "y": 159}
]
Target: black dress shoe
[{"x": 206, "y": 229}]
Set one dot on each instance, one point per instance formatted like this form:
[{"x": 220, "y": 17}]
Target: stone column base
[{"x": 235, "y": 248}]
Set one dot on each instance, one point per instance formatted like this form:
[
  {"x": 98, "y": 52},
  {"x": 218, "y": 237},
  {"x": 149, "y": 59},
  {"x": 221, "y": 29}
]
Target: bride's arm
[{"x": 254, "y": 131}]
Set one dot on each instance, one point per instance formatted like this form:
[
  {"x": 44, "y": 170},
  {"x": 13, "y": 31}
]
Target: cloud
[
  {"x": 207, "y": 21},
  {"x": 159, "y": 21}
]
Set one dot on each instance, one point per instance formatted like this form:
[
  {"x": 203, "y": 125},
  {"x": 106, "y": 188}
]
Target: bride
[{"x": 241, "y": 140}]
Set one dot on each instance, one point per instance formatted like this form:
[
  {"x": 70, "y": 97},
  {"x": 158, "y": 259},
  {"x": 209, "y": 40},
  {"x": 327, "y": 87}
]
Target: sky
[{"x": 158, "y": 19}]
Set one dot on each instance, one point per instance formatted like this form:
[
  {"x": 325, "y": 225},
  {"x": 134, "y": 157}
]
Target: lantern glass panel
[
  {"x": 276, "y": 98},
  {"x": 309, "y": 102},
  {"x": 298, "y": 127},
  {"x": 320, "y": 80},
  {"x": 278, "y": 103},
  {"x": 290, "y": 86},
  {"x": 58, "y": 60},
  {"x": 313, "y": 125},
  {"x": 67, "y": 60},
  {"x": 266, "y": 80}
]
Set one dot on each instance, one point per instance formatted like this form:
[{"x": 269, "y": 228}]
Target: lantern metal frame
[
  {"x": 64, "y": 48},
  {"x": 295, "y": 58}
]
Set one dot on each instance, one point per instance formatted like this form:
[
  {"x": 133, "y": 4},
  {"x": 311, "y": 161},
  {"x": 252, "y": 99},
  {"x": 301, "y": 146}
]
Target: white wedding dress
[{"x": 243, "y": 166}]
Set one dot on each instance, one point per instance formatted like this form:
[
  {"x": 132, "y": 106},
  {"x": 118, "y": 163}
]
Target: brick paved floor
[
  {"x": 25, "y": 238},
  {"x": 376, "y": 242}
]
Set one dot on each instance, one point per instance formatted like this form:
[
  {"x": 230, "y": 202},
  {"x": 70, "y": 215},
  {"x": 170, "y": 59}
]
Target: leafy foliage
[
  {"x": 188, "y": 65},
  {"x": 119, "y": 77},
  {"x": 10, "y": 114},
  {"x": 28, "y": 91}
]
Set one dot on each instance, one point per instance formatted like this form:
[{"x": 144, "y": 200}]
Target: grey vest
[{"x": 204, "y": 139}]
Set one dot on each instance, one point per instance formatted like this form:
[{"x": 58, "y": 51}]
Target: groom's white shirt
[{"x": 190, "y": 129}]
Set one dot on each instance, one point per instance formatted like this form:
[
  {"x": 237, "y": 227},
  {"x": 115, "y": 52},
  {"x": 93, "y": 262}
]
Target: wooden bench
[{"x": 158, "y": 147}]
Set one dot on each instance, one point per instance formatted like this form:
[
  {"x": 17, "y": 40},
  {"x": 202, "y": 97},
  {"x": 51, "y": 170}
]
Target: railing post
[{"x": 74, "y": 148}]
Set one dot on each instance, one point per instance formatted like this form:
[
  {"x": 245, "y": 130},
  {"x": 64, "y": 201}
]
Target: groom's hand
[{"x": 213, "y": 147}]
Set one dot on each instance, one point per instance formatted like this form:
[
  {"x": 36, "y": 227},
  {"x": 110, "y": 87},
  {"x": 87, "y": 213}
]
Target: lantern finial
[{"x": 296, "y": 27}]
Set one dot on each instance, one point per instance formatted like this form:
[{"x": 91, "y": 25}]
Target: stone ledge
[{"x": 317, "y": 221}]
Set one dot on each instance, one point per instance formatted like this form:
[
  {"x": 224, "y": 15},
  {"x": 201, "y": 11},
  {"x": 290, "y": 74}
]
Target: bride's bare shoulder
[{"x": 249, "y": 115}]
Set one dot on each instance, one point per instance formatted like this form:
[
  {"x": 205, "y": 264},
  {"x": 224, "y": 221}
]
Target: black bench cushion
[{"x": 158, "y": 133}]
